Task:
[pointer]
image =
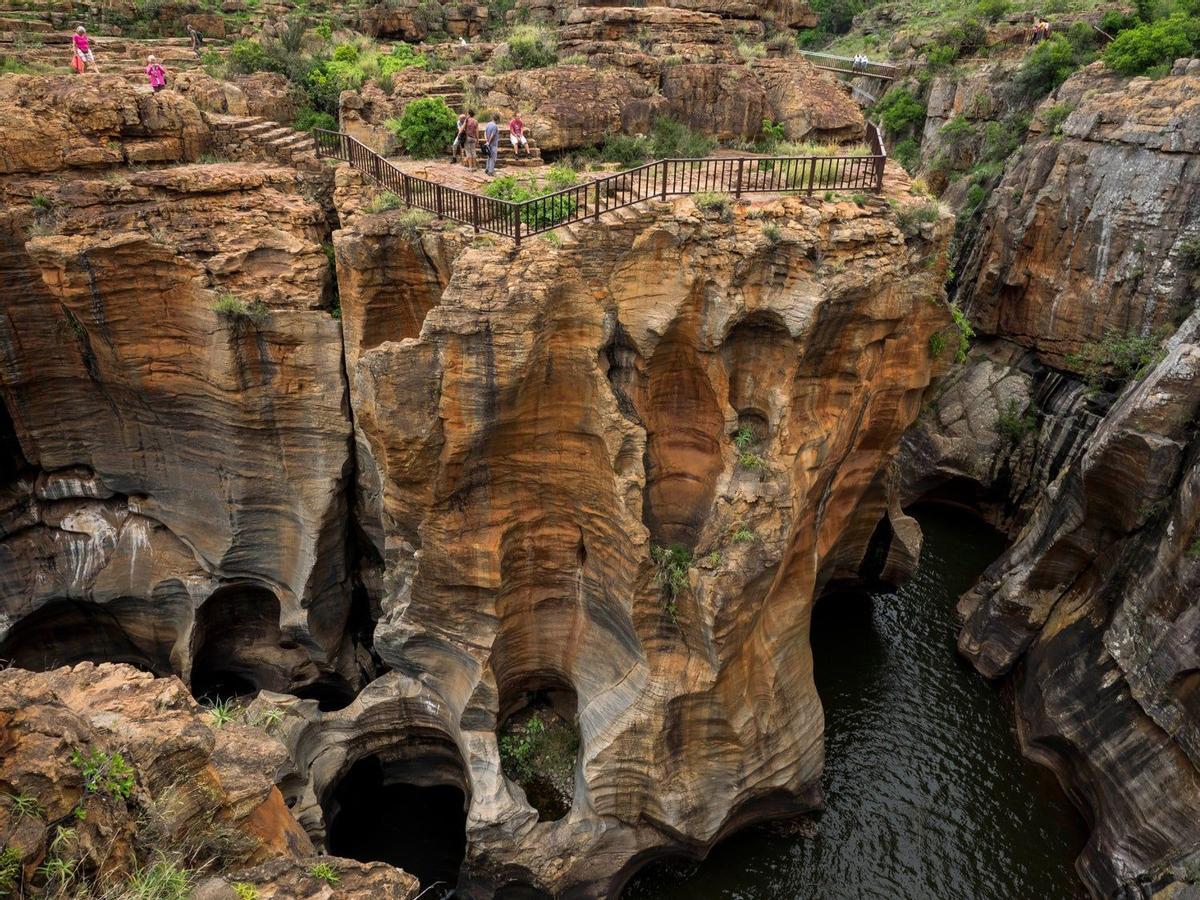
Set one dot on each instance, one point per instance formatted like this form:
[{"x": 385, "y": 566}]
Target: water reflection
[{"x": 926, "y": 795}]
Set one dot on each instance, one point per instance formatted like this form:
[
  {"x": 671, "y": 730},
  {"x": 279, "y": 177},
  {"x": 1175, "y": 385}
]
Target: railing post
[
  {"x": 475, "y": 212},
  {"x": 516, "y": 210},
  {"x": 407, "y": 188},
  {"x": 663, "y": 163},
  {"x": 738, "y": 190},
  {"x": 437, "y": 194},
  {"x": 597, "y": 207},
  {"x": 812, "y": 173}
]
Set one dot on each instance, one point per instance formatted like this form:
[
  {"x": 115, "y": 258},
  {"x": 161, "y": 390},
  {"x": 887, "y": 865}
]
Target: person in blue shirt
[{"x": 491, "y": 142}]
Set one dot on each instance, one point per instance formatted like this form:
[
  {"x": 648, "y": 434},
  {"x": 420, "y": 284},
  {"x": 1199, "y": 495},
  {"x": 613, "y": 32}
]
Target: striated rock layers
[
  {"x": 531, "y": 425},
  {"x": 175, "y": 404},
  {"x": 1095, "y": 606}
]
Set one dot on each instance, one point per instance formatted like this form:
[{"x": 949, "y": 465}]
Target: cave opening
[
  {"x": 407, "y": 808},
  {"x": 66, "y": 632},
  {"x": 239, "y": 649},
  {"x": 332, "y": 692},
  {"x": 12, "y": 460},
  {"x": 539, "y": 742}
]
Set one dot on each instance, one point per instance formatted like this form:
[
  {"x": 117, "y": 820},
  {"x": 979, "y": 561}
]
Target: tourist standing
[
  {"x": 459, "y": 131},
  {"x": 491, "y": 142},
  {"x": 516, "y": 135},
  {"x": 197, "y": 39},
  {"x": 156, "y": 73},
  {"x": 84, "y": 56},
  {"x": 470, "y": 139}
]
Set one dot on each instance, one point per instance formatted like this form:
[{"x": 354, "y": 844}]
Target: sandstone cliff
[{"x": 1083, "y": 246}]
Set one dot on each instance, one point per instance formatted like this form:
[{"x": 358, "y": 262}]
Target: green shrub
[
  {"x": 539, "y": 747},
  {"x": 1119, "y": 357},
  {"x": 937, "y": 344},
  {"x": 752, "y": 461},
  {"x": 384, "y": 201},
  {"x": 710, "y": 201},
  {"x": 427, "y": 127},
  {"x": 671, "y": 568},
  {"x": 1047, "y": 66},
  {"x": 1189, "y": 252},
  {"x": 10, "y": 871},
  {"x": 924, "y": 212},
  {"x": 308, "y": 118},
  {"x": 965, "y": 333},
  {"x": 1015, "y": 423},
  {"x": 1054, "y": 117},
  {"x": 900, "y": 111},
  {"x": 528, "y": 47},
  {"x": 230, "y": 306},
  {"x": 246, "y": 57},
  {"x": 742, "y": 535},
  {"x": 628, "y": 150},
  {"x": 993, "y": 10},
  {"x": 104, "y": 773},
  {"x": 402, "y": 57},
  {"x": 773, "y": 132},
  {"x": 941, "y": 57},
  {"x": 908, "y": 153},
  {"x": 538, "y": 216},
  {"x": 957, "y": 130},
  {"x": 222, "y": 712},
  {"x": 412, "y": 223},
  {"x": 772, "y": 233},
  {"x": 670, "y": 139},
  {"x": 1136, "y": 51},
  {"x": 743, "y": 438},
  {"x": 23, "y": 805},
  {"x": 245, "y": 890}
]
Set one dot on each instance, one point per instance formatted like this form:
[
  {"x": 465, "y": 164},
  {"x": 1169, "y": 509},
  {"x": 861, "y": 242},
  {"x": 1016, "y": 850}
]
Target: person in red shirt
[{"x": 516, "y": 134}]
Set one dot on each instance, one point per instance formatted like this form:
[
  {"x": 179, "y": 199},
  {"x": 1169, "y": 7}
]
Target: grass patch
[
  {"x": 222, "y": 712},
  {"x": 1117, "y": 358},
  {"x": 526, "y": 47},
  {"x": 232, "y": 307},
  {"x": 161, "y": 880},
  {"x": 742, "y": 535},
  {"x": 324, "y": 872},
  {"x": 712, "y": 202},
  {"x": 245, "y": 890},
  {"x": 384, "y": 201},
  {"x": 23, "y": 806}
]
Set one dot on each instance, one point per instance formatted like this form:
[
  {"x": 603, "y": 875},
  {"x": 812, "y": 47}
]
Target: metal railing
[
  {"x": 661, "y": 179},
  {"x": 845, "y": 64}
]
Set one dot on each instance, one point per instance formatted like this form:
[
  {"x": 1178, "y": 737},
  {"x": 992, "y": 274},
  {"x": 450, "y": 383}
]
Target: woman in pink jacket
[
  {"x": 156, "y": 73},
  {"x": 83, "y": 50}
]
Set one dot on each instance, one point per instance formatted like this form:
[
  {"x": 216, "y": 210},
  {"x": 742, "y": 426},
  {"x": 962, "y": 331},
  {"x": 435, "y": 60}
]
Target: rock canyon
[{"x": 348, "y": 551}]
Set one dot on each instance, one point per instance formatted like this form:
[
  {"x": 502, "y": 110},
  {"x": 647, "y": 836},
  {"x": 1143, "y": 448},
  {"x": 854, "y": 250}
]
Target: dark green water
[{"x": 926, "y": 795}]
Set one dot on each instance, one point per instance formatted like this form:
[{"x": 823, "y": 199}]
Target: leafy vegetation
[
  {"x": 324, "y": 872},
  {"x": 527, "y": 47},
  {"x": 742, "y": 535},
  {"x": 1047, "y": 66},
  {"x": 104, "y": 773},
  {"x": 710, "y": 201},
  {"x": 413, "y": 223},
  {"x": 384, "y": 201},
  {"x": 1015, "y": 423},
  {"x": 245, "y": 890},
  {"x": 10, "y": 871},
  {"x": 232, "y": 307},
  {"x": 900, "y": 111},
  {"x": 1156, "y": 44},
  {"x": 1117, "y": 357},
  {"x": 548, "y": 212},
  {"x": 222, "y": 712},
  {"x": 965, "y": 333},
  {"x": 908, "y": 216},
  {"x": 161, "y": 880},
  {"x": 23, "y": 805},
  {"x": 671, "y": 572},
  {"x": 426, "y": 128}
]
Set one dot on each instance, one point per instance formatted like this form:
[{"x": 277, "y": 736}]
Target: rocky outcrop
[
  {"x": 130, "y": 768},
  {"x": 530, "y": 425},
  {"x": 1088, "y": 234},
  {"x": 180, "y": 314},
  {"x": 724, "y": 101},
  {"x": 808, "y": 105}
]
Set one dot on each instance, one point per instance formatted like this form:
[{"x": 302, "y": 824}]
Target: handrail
[
  {"x": 656, "y": 180},
  {"x": 874, "y": 69}
]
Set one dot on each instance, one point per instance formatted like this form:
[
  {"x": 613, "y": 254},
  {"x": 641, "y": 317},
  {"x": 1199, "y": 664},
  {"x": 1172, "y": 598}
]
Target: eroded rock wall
[{"x": 552, "y": 416}]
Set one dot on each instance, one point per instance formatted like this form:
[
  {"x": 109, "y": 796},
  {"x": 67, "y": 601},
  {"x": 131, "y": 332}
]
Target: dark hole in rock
[
  {"x": 332, "y": 692},
  {"x": 521, "y": 892},
  {"x": 12, "y": 460},
  {"x": 66, "y": 632},
  {"x": 396, "y": 812},
  {"x": 539, "y": 743},
  {"x": 754, "y": 423},
  {"x": 238, "y": 645}
]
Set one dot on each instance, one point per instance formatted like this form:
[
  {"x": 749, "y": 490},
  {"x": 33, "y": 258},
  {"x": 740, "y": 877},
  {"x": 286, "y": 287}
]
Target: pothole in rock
[
  {"x": 539, "y": 742},
  {"x": 239, "y": 649},
  {"x": 332, "y": 692},
  {"x": 409, "y": 811}
]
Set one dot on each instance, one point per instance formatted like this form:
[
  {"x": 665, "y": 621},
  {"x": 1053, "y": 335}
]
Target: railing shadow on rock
[{"x": 659, "y": 180}]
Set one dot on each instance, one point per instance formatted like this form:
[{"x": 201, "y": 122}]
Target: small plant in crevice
[
  {"x": 1193, "y": 550},
  {"x": 742, "y": 535},
  {"x": 104, "y": 773},
  {"x": 245, "y": 890},
  {"x": 23, "y": 805},
  {"x": 161, "y": 880},
  {"x": 1189, "y": 253},
  {"x": 752, "y": 461},
  {"x": 937, "y": 345},
  {"x": 713, "y": 559},
  {"x": 712, "y": 202},
  {"x": 10, "y": 871},
  {"x": 1014, "y": 422},
  {"x": 743, "y": 438},
  {"x": 385, "y": 201},
  {"x": 233, "y": 308},
  {"x": 222, "y": 712},
  {"x": 538, "y": 749},
  {"x": 772, "y": 234},
  {"x": 965, "y": 333},
  {"x": 324, "y": 872},
  {"x": 671, "y": 572}
]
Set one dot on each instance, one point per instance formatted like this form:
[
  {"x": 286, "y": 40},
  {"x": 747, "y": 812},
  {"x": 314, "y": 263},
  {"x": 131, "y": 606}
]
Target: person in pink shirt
[
  {"x": 516, "y": 134},
  {"x": 83, "y": 49},
  {"x": 156, "y": 73}
]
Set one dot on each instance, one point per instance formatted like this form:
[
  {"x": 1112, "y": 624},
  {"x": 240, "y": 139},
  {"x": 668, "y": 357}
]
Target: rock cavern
[{"x": 351, "y": 548}]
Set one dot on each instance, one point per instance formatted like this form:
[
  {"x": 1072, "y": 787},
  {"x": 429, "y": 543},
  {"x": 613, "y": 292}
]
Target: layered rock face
[
  {"x": 1094, "y": 607},
  {"x": 1088, "y": 234},
  {"x": 191, "y": 464},
  {"x": 529, "y": 426}
]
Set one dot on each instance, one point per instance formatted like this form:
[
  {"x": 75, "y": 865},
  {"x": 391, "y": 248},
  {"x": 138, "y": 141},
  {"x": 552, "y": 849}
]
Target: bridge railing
[
  {"x": 845, "y": 64},
  {"x": 661, "y": 179}
]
